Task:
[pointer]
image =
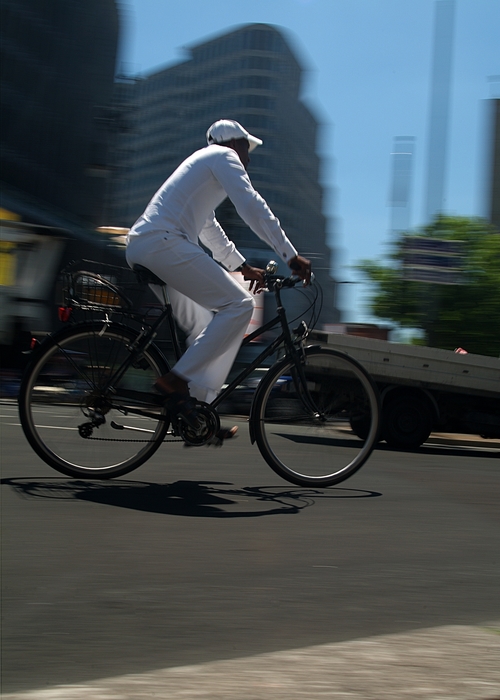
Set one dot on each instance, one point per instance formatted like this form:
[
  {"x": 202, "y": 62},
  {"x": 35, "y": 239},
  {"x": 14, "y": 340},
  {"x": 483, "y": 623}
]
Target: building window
[
  {"x": 262, "y": 39},
  {"x": 258, "y": 82},
  {"x": 257, "y": 102}
]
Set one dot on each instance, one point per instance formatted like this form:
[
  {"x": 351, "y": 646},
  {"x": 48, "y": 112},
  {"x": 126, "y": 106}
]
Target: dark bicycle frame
[{"x": 293, "y": 350}]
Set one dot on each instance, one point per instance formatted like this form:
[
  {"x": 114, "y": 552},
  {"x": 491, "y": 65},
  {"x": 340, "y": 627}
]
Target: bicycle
[{"x": 88, "y": 408}]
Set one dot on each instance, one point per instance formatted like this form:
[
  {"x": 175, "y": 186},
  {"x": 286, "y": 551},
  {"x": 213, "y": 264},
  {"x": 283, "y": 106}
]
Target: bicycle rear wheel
[
  {"x": 302, "y": 426},
  {"x": 64, "y": 389}
]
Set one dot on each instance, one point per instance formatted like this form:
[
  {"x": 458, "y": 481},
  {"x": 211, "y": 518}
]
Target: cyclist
[{"x": 208, "y": 303}]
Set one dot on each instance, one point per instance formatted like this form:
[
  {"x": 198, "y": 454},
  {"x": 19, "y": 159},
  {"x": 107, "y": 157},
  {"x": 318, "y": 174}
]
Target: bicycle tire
[
  {"x": 305, "y": 435},
  {"x": 62, "y": 386}
]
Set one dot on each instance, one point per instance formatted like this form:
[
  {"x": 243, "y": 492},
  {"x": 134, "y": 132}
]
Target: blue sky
[{"x": 368, "y": 70}]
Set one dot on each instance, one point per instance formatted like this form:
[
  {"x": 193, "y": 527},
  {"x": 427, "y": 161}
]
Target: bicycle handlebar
[{"x": 281, "y": 282}]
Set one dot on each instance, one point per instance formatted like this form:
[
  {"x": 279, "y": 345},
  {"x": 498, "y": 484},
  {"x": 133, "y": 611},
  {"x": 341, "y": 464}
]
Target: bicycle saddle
[{"x": 145, "y": 276}]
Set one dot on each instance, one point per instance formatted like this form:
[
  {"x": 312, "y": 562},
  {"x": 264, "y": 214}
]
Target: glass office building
[
  {"x": 252, "y": 75},
  {"x": 57, "y": 66}
]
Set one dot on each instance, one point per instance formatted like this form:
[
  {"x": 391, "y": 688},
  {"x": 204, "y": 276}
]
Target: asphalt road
[{"x": 205, "y": 554}]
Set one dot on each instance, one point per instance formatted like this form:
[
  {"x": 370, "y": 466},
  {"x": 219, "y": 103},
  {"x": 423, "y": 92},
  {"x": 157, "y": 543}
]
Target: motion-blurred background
[{"x": 380, "y": 122}]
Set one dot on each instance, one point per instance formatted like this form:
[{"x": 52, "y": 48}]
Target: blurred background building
[
  {"x": 401, "y": 183},
  {"x": 57, "y": 67},
  {"x": 494, "y": 175},
  {"x": 251, "y": 75},
  {"x": 439, "y": 109}
]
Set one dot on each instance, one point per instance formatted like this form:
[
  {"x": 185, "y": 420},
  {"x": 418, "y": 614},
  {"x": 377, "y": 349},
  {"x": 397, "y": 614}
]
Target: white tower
[
  {"x": 402, "y": 174},
  {"x": 439, "y": 108}
]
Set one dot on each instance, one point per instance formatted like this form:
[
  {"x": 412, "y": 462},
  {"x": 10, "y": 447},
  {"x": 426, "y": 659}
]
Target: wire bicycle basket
[{"x": 91, "y": 286}]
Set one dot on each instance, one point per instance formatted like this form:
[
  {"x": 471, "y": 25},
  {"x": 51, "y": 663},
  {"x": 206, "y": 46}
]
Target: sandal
[{"x": 227, "y": 433}]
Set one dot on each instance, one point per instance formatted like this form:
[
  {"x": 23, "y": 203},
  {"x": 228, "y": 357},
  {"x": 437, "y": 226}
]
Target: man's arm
[
  {"x": 224, "y": 251},
  {"x": 213, "y": 236},
  {"x": 252, "y": 208}
]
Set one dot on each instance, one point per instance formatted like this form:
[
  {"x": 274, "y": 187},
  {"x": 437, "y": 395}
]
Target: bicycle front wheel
[
  {"x": 65, "y": 389},
  {"x": 301, "y": 418}
]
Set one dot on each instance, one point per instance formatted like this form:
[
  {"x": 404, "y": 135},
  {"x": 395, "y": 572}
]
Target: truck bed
[{"x": 414, "y": 365}]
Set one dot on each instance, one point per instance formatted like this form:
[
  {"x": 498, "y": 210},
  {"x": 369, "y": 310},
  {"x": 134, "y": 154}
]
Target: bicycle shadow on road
[
  {"x": 444, "y": 450},
  {"x": 448, "y": 449},
  {"x": 206, "y": 499}
]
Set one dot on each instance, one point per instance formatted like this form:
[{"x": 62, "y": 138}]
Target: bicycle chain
[{"x": 174, "y": 439}]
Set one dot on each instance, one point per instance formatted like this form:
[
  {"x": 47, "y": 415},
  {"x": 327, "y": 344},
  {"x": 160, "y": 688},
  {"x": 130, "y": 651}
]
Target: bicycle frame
[
  {"x": 283, "y": 338},
  {"x": 147, "y": 335}
]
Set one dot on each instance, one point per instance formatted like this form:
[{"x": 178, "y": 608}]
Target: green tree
[{"x": 465, "y": 315}]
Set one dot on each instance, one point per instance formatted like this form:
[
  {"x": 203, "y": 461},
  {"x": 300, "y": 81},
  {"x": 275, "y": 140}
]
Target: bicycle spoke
[
  {"x": 73, "y": 423},
  {"x": 304, "y": 426}
]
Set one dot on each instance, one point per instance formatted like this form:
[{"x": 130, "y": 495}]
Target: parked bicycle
[{"x": 88, "y": 408}]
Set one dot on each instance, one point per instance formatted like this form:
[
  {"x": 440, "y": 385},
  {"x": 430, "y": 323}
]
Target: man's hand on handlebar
[
  {"x": 256, "y": 277},
  {"x": 302, "y": 268}
]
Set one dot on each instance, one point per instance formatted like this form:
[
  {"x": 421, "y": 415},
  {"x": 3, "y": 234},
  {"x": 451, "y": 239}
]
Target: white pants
[{"x": 209, "y": 305}]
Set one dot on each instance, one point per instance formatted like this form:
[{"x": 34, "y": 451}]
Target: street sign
[{"x": 433, "y": 260}]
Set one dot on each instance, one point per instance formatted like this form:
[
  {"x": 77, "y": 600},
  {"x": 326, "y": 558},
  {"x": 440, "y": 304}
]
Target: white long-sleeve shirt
[{"x": 185, "y": 204}]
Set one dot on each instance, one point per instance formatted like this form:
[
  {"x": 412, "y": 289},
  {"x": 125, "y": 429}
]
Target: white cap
[{"x": 226, "y": 129}]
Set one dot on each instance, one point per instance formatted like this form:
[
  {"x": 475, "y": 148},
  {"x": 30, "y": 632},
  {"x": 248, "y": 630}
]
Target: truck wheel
[
  {"x": 360, "y": 426},
  {"x": 406, "y": 422}
]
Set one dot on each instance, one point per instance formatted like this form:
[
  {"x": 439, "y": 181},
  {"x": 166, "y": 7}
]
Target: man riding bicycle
[{"x": 208, "y": 303}]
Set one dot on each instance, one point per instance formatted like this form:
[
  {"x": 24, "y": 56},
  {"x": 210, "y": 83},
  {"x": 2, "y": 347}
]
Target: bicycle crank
[{"x": 206, "y": 433}]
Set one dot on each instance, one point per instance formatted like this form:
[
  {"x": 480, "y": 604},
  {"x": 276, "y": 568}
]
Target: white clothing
[
  {"x": 187, "y": 269},
  {"x": 185, "y": 204},
  {"x": 193, "y": 319},
  {"x": 208, "y": 303}
]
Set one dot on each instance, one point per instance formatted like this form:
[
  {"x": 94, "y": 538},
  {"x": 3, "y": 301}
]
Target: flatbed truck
[{"x": 425, "y": 390}]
